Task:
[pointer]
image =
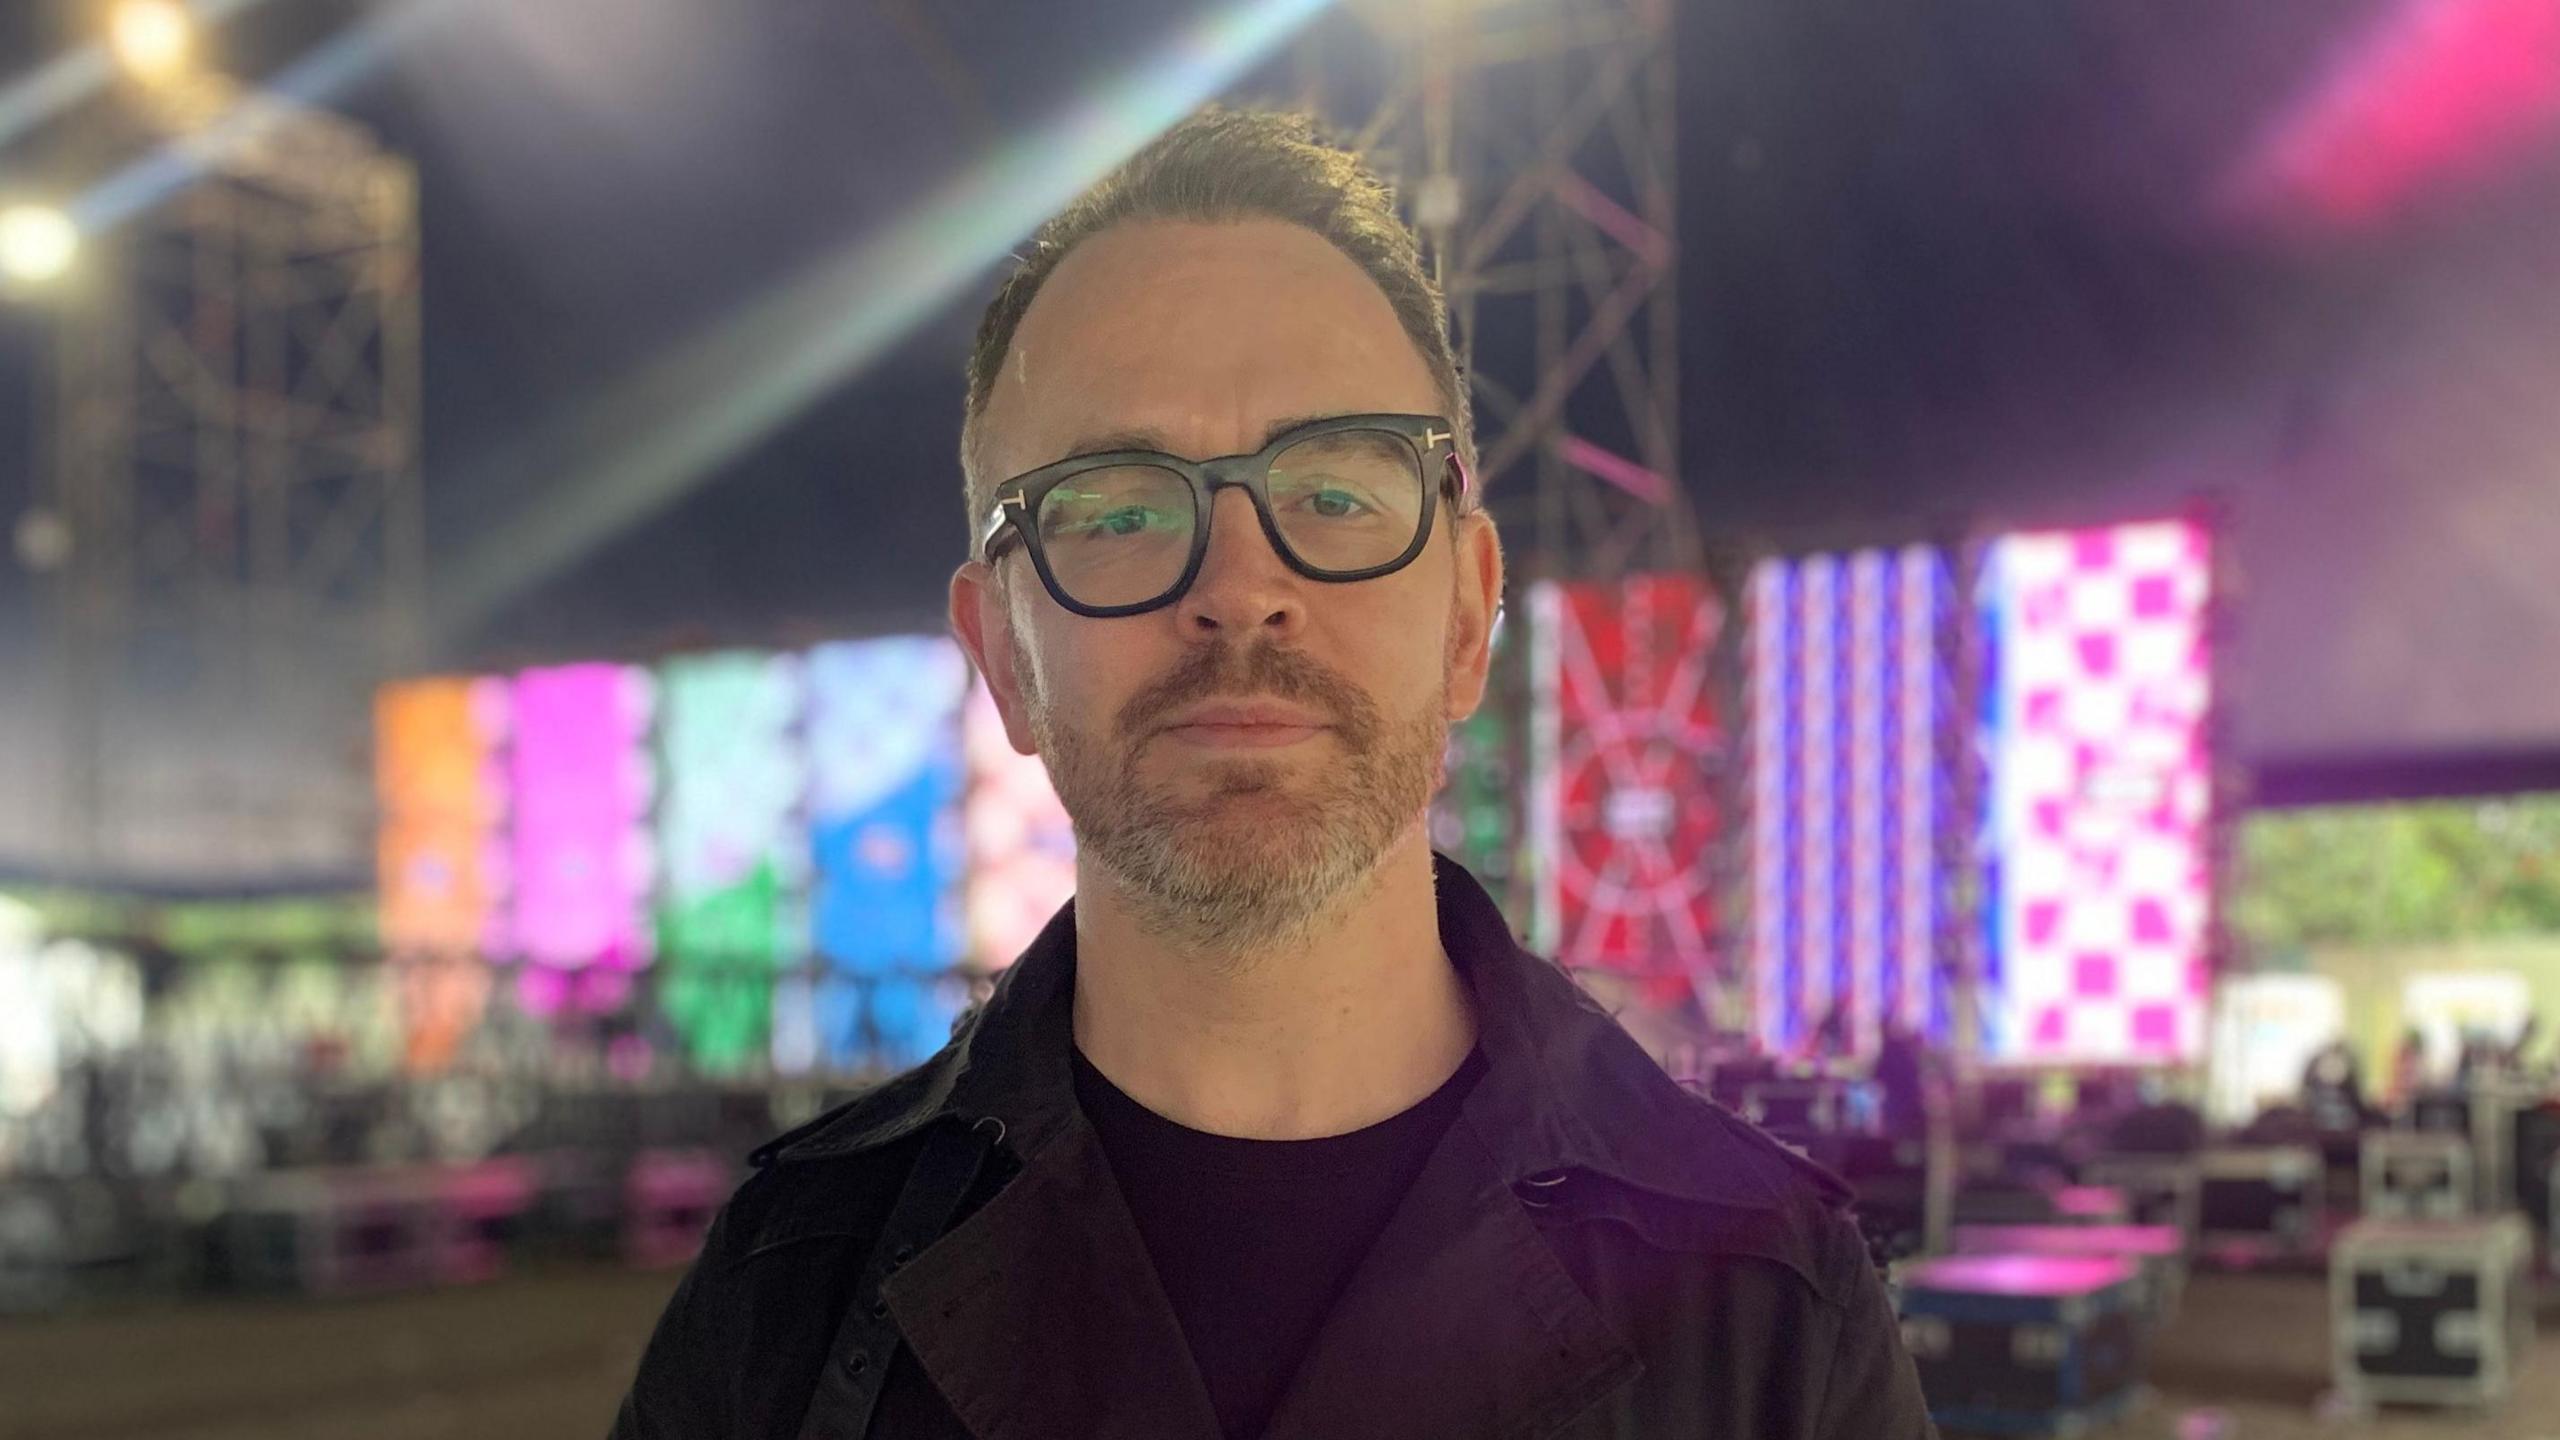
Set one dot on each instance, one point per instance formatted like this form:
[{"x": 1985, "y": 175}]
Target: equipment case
[
  {"x": 2024, "y": 1344},
  {"x": 2432, "y": 1312}
]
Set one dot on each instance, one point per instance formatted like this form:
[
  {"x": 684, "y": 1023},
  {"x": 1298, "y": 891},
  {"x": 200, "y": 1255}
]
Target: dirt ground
[
  {"x": 2252, "y": 1351},
  {"x": 545, "y": 1356}
]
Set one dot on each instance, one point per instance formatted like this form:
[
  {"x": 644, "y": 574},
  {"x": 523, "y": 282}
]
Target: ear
[
  {"x": 1471, "y": 613},
  {"x": 982, "y": 621}
]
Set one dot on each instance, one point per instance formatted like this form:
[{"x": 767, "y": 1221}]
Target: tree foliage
[{"x": 2379, "y": 874}]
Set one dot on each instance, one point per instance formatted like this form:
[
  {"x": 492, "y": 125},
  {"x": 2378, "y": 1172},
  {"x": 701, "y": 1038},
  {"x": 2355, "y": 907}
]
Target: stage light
[
  {"x": 327, "y": 72},
  {"x": 152, "y": 39},
  {"x": 37, "y": 242},
  {"x": 43, "y": 541}
]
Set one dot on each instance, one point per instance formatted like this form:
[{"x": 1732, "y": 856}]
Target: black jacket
[{"x": 1591, "y": 1251}]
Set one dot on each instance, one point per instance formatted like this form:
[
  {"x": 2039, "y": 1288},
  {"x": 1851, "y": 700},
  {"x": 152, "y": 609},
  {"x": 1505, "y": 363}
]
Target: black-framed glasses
[{"x": 1124, "y": 532}]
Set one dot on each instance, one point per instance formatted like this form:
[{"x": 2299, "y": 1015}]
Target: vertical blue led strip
[
  {"x": 1992, "y": 618},
  {"x": 1865, "y": 779},
  {"x": 1841, "y": 929},
  {"x": 1895, "y": 723},
  {"x": 1793, "y": 939}
]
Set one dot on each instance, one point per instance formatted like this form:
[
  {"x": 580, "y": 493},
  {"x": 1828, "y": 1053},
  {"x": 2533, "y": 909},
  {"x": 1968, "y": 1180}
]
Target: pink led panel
[
  {"x": 1022, "y": 850},
  {"x": 582, "y": 851},
  {"x": 2101, "y": 794}
]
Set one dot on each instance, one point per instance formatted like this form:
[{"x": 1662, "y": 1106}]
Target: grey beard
[{"x": 1224, "y": 897}]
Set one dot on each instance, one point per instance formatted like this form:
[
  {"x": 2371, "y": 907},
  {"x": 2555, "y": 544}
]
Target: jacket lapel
[
  {"x": 1042, "y": 1316},
  {"x": 1459, "y": 1321}
]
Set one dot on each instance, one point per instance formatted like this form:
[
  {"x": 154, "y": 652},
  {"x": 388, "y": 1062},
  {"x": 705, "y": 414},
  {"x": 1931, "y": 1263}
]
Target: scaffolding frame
[
  {"x": 235, "y": 454},
  {"x": 1534, "y": 145}
]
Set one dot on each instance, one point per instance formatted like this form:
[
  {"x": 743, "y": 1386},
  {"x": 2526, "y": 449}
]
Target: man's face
[{"x": 1227, "y": 827}]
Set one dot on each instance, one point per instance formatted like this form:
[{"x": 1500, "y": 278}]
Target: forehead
[{"x": 1202, "y": 333}]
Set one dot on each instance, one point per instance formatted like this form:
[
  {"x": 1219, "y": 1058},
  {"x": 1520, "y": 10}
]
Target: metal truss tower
[
  {"x": 236, "y": 459},
  {"x": 1533, "y": 143}
]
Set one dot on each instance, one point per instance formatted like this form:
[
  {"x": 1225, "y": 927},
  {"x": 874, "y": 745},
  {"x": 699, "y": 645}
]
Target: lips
[
  {"x": 1247, "y": 714},
  {"x": 1245, "y": 725}
]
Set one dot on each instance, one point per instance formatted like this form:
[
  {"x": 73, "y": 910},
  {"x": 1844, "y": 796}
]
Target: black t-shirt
[{"x": 1254, "y": 1240}]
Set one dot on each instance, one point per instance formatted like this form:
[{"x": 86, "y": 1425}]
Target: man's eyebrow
[{"x": 1143, "y": 438}]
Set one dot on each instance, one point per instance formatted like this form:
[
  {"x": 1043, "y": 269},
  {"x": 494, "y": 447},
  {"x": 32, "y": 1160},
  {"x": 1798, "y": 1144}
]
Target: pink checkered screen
[{"x": 2101, "y": 793}]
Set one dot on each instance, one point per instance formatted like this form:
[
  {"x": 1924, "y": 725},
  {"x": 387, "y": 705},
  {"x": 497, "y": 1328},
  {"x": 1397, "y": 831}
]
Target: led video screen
[
  {"x": 1627, "y": 747},
  {"x": 886, "y": 776},
  {"x": 1476, "y": 817},
  {"x": 1022, "y": 849},
  {"x": 2097, "y": 694},
  {"x": 441, "y": 779},
  {"x": 443, "y": 796},
  {"x": 730, "y": 842},
  {"x": 1854, "y": 735},
  {"x": 581, "y": 779}
]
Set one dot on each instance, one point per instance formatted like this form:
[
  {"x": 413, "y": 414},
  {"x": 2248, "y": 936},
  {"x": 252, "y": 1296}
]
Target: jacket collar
[{"x": 1565, "y": 1087}]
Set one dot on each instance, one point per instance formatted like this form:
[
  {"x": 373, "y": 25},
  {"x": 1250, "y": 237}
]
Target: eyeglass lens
[{"x": 1343, "y": 502}]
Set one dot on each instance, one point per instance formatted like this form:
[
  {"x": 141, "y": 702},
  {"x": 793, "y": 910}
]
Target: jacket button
[
  {"x": 905, "y": 1254},
  {"x": 856, "y": 1364},
  {"x": 880, "y": 1311}
]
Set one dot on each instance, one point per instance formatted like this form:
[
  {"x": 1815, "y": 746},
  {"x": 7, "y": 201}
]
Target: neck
[{"x": 1346, "y": 1024}]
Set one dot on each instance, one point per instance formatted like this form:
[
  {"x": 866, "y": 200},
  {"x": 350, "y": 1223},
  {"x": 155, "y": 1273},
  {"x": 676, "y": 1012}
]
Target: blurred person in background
[
  {"x": 1274, "y": 1131},
  {"x": 2408, "y": 1069},
  {"x": 2333, "y": 1087},
  {"x": 1902, "y": 1077},
  {"x": 2520, "y": 1061}
]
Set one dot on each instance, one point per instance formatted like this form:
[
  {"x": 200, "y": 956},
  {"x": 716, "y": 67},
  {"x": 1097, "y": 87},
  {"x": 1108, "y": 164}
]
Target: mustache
[{"x": 1266, "y": 671}]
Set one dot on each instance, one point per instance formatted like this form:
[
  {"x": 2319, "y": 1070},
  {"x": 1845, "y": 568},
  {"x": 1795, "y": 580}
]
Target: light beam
[
  {"x": 660, "y": 431},
  {"x": 336, "y": 66},
  {"x": 82, "y": 71}
]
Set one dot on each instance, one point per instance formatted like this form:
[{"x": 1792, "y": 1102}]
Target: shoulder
[
  {"x": 1735, "y": 1193},
  {"x": 897, "y": 1106},
  {"x": 1813, "y": 1209},
  {"x": 1790, "y": 1175},
  {"x": 793, "y": 1196}
]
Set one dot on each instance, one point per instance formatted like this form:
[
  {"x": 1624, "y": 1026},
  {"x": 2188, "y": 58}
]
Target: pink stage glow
[
  {"x": 2101, "y": 794},
  {"x": 582, "y": 853},
  {"x": 2435, "y": 91}
]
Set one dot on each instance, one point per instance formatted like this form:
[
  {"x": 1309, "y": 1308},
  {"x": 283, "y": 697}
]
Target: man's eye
[
  {"x": 1334, "y": 504},
  {"x": 1123, "y": 520}
]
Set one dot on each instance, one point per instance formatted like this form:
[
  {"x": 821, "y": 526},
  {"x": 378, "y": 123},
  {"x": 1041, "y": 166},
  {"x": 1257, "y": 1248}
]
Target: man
[{"x": 1274, "y": 1131}]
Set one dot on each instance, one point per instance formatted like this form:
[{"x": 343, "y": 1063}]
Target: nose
[{"x": 1244, "y": 590}]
